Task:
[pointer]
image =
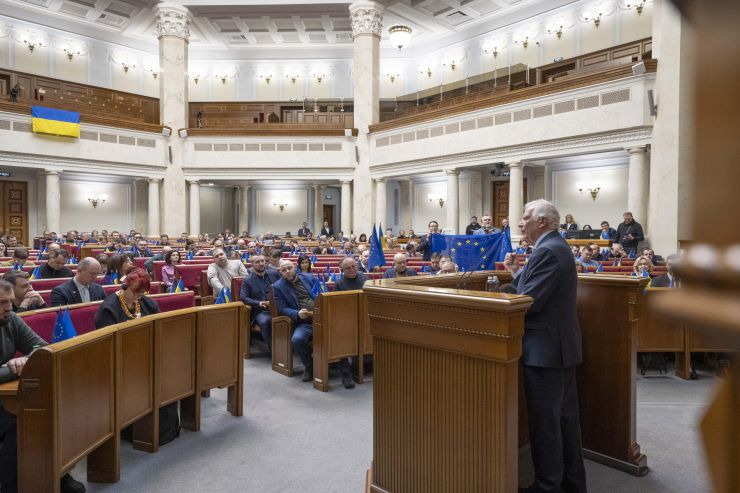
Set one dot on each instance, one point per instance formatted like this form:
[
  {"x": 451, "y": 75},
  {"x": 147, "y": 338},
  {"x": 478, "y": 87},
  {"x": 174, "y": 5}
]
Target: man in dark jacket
[
  {"x": 25, "y": 296},
  {"x": 55, "y": 267},
  {"x": 425, "y": 245},
  {"x": 255, "y": 293},
  {"x": 399, "y": 268},
  {"x": 473, "y": 226},
  {"x": 551, "y": 350},
  {"x": 82, "y": 288},
  {"x": 351, "y": 279},
  {"x": 629, "y": 233}
]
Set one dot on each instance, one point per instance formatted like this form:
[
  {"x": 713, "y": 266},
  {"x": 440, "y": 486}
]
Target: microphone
[{"x": 464, "y": 279}]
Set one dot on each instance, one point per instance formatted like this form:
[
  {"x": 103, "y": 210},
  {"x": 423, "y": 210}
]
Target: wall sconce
[
  {"x": 267, "y": 78},
  {"x": 428, "y": 71},
  {"x": 524, "y": 42},
  {"x": 33, "y": 44},
  {"x": 556, "y": 30},
  {"x": 293, "y": 77},
  {"x": 595, "y": 18},
  {"x": 637, "y": 6},
  {"x": 280, "y": 206},
  {"x": 222, "y": 78},
  {"x": 592, "y": 189},
  {"x": 97, "y": 199},
  {"x": 392, "y": 77},
  {"x": 154, "y": 72},
  {"x": 319, "y": 77},
  {"x": 196, "y": 77},
  {"x": 127, "y": 67},
  {"x": 438, "y": 199},
  {"x": 491, "y": 51},
  {"x": 71, "y": 53},
  {"x": 452, "y": 65}
]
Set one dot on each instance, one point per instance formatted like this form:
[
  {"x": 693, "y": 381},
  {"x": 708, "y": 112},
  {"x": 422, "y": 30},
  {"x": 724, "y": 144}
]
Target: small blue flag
[
  {"x": 224, "y": 296},
  {"x": 645, "y": 273},
  {"x": 377, "y": 259},
  {"x": 316, "y": 289},
  {"x": 35, "y": 274},
  {"x": 600, "y": 268},
  {"x": 63, "y": 327},
  {"x": 324, "y": 287},
  {"x": 424, "y": 268}
]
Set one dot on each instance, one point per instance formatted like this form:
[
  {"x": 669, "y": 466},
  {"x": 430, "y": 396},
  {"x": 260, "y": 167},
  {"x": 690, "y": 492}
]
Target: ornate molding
[
  {"x": 60, "y": 164},
  {"x": 173, "y": 20},
  {"x": 367, "y": 18}
]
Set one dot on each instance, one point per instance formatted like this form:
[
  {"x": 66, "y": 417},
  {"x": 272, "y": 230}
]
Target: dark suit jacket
[
  {"x": 392, "y": 272},
  {"x": 425, "y": 248},
  {"x": 255, "y": 289},
  {"x": 146, "y": 253},
  {"x": 46, "y": 272},
  {"x": 303, "y": 232},
  {"x": 67, "y": 294},
  {"x": 635, "y": 229},
  {"x": 663, "y": 282},
  {"x": 552, "y": 334},
  {"x": 570, "y": 227},
  {"x": 286, "y": 300},
  {"x": 327, "y": 232},
  {"x": 273, "y": 274}
]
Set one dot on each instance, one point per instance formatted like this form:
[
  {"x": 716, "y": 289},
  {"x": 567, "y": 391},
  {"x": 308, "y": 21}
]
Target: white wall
[
  {"x": 267, "y": 217},
  {"x": 77, "y": 213},
  {"x": 216, "y": 209},
  {"x": 424, "y": 211},
  {"x": 610, "y": 203}
]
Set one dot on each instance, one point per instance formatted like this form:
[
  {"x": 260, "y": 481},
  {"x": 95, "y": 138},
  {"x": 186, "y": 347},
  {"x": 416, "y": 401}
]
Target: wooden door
[
  {"x": 14, "y": 210},
  {"x": 329, "y": 215},
  {"x": 501, "y": 202}
]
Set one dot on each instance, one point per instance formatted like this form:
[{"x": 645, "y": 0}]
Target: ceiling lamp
[{"x": 400, "y": 36}]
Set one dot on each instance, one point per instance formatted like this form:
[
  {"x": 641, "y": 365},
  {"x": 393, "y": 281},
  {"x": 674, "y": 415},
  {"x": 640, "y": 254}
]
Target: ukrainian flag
[{"x": 55, "y": 122}]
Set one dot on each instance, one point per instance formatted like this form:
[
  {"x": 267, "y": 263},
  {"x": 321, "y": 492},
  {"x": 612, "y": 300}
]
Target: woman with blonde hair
[{"x": 643, "y": 267}]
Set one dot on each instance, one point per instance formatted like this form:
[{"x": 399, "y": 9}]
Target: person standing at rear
[{"x": 551, "y": 350}]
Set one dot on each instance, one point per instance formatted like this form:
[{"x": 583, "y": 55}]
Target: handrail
[{"x": 274, "y": 129}]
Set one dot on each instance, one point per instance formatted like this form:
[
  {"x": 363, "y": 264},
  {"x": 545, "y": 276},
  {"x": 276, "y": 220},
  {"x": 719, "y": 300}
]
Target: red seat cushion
[
  {"x": 175, "y": 301},
  {"x": 190, "y": 274}
]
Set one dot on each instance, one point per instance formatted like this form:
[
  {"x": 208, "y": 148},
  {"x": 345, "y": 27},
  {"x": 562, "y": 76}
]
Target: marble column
[
  {"x": 453, "y": 200},
  {"x": 243, "y": 208},
  {"x": 638, "y": 185},
  {"x": 366, "y": 18},
  {"x": 152, "y": 228},
  {"x": 173, "y": 32},
  {"x": 318, "y": 208},
  {"x": 194, "y": 208},
  {"x": 407, "y": 203},
  {"x": 516, "y": 196},
  {"x": 346, "y": 225},
  {"x": 53, "y": 202},
  {"x": 381, "y": 200}
]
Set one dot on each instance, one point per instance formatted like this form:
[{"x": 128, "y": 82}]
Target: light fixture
[
  {"x": 400, "y": 36},
  {"x": 590, "y": 17},
  {"x": 556, "y": 30},
  {"x": 436, "y": 198},
  {"x": 71, "y": 53},
  {"x": 428, "y": 71},
  {"x": 452, "y": 65},
  {"x": 96, "y": 199},
  {"x": 267, "y": 78},
  {"x": 392, "y": 77},
  {"x": 319, "y": 77},
  {"x": 280, "y": 206},
  {"x": 126, "y": 66},
  {"x": 293, "y": 77},
  {"x": 637, "y": 6},
  {"x": 592, "y": 189},
  {"x": 491, "y": 51},
  {"x": 524, "y": 41},
  {"x": 33, "y": 44},
  {"x": 154, "y": 72},
  {"x": 196, "y": 77}
]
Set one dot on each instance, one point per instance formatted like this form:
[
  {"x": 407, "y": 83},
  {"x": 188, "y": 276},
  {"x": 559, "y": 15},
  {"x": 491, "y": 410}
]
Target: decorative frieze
[
  {"x": 367, "y": 18},
  {"x": 173, "y": 20}
]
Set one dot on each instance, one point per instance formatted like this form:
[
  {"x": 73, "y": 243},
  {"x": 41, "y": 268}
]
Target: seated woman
[
  {"x": 587, "y": 227},
  {"x": 570, "y": 224},
  {"x": 171, "y": 259},
  {"x": 363, "y": 238},
  {"x": 118, "y": 266},
  {"x": 643, "y": 267},
  {"x": 3, "y": 250},
  {"x": 128, "y": 302},
  {"x": 303, "y": 264}
]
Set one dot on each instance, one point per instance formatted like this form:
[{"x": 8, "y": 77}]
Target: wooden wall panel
[{"x": 14, "y": 210}]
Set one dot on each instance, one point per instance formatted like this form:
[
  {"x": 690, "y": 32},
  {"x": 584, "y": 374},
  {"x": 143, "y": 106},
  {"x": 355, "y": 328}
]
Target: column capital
[
  {"x": 49, "y": 172},
  {"x": 153, "y": 180},
  {"x": 245, "y": 186},
  {"x": 172, "y": 20},
  {"x": 366, "y": 18},
  {"x": 452, "y": 172},
  {"x": 636, "y": 149},
  {"x": 193, "y": 182},
  {"x": 380, "y": 180},
  {"x": 515, "y": 164},
  {"x": 346, "y": 182}
]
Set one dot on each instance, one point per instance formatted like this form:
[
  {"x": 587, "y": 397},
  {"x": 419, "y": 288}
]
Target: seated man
[
  {"x": 399, "y": 268},
  {"x": 295, "y": 294},
  {"x": 351, "y": 278},
  {"x": 486, "y": 226},
  {"x": 55, "y": 267},
  {"x": 364, "y": 257},
  {"x": 20, "y": 258},
  {"x": 434, "y": 268},
  {"x": 16, "y": 336},
  {"x": 447, "y": 266},
  {"x": 617, "y": 251},
  {"x": 25, "y": 297},
  {"x": 650, "y": 253},
  {"x": 82, "y": 288},
  {"x": 255, "y": 293},
  {"x": 273, "y": 269},
  {"x": 667, "y": 280},
  {"x": 222, "y": 270},
  {"x": 149, "y": 264},
  {"x": 586, "y": 259}
]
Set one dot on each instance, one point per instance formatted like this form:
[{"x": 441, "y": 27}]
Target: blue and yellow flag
[
  {"x": 473, "y": 252},
  {"x": 35, "y": 274},
  {"x": 223, "y": 297},
  {"x": 63, "y": 327},
  {"x": 377, "y": 258},
  {"x": 55, "y": 122}
]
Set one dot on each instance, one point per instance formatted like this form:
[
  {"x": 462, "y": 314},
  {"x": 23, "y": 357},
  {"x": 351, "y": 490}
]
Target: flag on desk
[
  {"x": 473, "y": 252},
  {"x": 180, "y": 286},
  {"x": 35, "y": 274},
  {"x": 63, "y": 327},
  {"x": 114, "y": 278},
  {"x": 377, "y": 258},
  {"x": 223, "y": 297},
  {"x": 316, "y": 289},
  {"x": 189, "y": 256},
  {"x": 600, "y": 268},
  {"x": 55, "y": 122},
  {"x": 39, "y": 255},
  {"x": 381, "y": 237}
]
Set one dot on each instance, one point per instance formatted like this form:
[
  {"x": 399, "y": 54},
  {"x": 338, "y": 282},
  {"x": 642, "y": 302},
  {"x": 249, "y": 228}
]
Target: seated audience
[
  {"x": 399, "y": 268},
  {"x": 643, "y": 267},
  {"x": 304, "y": 231},
  {"x": 157, "y": 257},
  {"x": 504, "y": 224},
  {"x": 55, "y": 267},
  {"x": 364, "y": 257},
  {"x": 326, "y": 230},
  {"x": 570, "y": 224},
  {"x": 435, "y": 261},
  {"x": 171, "y": 259},
  {"x": 103, "y": 259},
  {"x": 273, "y": 268},
  {"x": 586, "y": 259},
  {"x": 25, "y": 296},
  {"x": 303, "y": 264},
  {"x": 617, "y": 251},
  {"x": 575, "y": 251},
  {"x": 669, "y": 279},
  {"x": 525, "y": 246},
  {"x": 255, "y": 293},
  {"x": 82, "y": 288},
  {"x": 12, "y": 241},
  {"x": 3, "y": 249},
  {"x": 486, "y": 226},
  {"x": 411, "y": 249},
  {"x": 650, "y": 253},
  {"x": 20, "y": 258},
  {"x": 351, "y": 278},
  {"x": 222, "y": 270},
  {"x": 118, "y": 266},
  {"x": 629, "y": 233},
  {"x": 17, "y": 337},
  {"x": 447, "y": 266}
]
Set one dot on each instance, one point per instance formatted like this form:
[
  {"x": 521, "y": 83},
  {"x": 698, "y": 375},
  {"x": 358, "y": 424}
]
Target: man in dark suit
[
  {"x": 667, "y": 280},
  {"x": 425, "y": 245},
  {"x": 629, "y": 233},
  {"x": 304, "y": 231},
  {"x": 142, "y": 250},
  {"x": 473, "y": 226},
  {"x": 255, "y": 293},
  {"x": 82, "y": 288},
  {"x": 295, "y": 294},
  {"x": 55, "y": 267},
  {"x": 326, "y": 230},
  {"x": 399, "y": 268},
  {"x": 551, "y": 352}
]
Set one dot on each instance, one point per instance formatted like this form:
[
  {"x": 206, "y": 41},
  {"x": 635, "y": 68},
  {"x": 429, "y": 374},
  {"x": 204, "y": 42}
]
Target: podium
[{"x": 445, "y": 391}]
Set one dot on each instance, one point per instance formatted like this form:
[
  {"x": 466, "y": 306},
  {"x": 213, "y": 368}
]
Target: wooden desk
[
  {"x": 8, "y": 396},
  {"x": 600, "y": 243}
]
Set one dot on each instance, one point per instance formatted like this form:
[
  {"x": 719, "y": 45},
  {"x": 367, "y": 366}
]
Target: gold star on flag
[
  {"x": 482, "y": 249},
  {"x": 452, "y": 250},
  {"x": 475, "y": 244},
  {"x": 467, "y": 242},
  {"x": 482, "y": 266},
  {"x": 459, "y": 243}
]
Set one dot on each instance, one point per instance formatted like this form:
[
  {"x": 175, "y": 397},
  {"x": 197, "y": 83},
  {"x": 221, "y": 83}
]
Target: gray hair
[
  {"x": 284, "y": 261},
  {"x": 543, "y": 208}
]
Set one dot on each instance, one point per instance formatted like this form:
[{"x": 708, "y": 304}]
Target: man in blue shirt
[
  {"x": 586, "y": 259},
  {"x": 255, "y": 293},
  {"x": 486, "y": 226}
]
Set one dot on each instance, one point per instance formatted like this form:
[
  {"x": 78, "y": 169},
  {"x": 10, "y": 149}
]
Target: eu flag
[
  {"x": 377, "y": 258},
  {"x": 223, "y": 297},
  {"x": 473, "y": 252},
  {"x": 316, "y": 289},
  {"x": 63, "y": 327}
]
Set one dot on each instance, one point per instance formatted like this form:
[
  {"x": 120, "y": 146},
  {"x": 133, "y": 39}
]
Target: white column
[
  {"x": 173, "y": 31},
  {"x": 243, "y": 208},
  {"x": 381, "y": 198},
  {"x": 194, "y": 207},
  {"x": 346, "y": 225},
  {"x": 407, "y": 204},
  {"x": 638, "y": 185},
  {"x": 453, "y": 200},
  {"x": 318, "y": 209},
  {"x": 366, "y": 18},
  {"x": 53, "y": 202},
  {"x": 152, "y": 228},
  {"x": 516, "y": 196}
]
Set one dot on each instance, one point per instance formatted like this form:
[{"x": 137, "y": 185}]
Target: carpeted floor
[{"x": 293, "y": 438}]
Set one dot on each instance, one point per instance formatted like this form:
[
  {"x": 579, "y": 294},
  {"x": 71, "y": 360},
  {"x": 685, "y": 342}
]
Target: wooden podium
[{"x": 445, "y": 392}]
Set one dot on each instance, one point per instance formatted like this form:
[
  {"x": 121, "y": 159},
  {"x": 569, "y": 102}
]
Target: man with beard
[{"x": 255, "y": 293}]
